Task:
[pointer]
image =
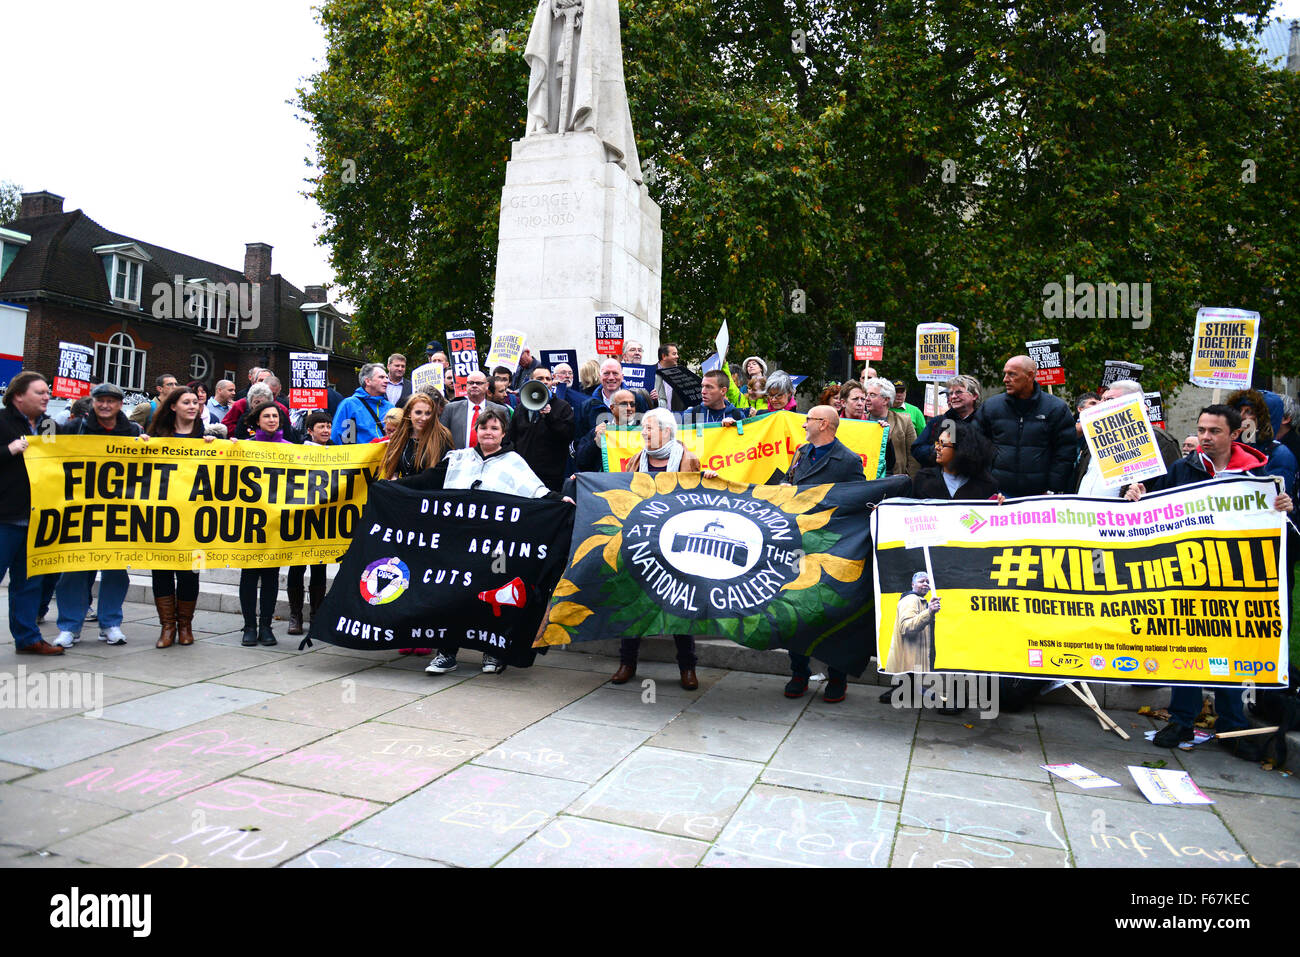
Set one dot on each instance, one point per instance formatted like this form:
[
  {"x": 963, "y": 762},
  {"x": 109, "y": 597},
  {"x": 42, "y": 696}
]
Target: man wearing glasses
[
  {"x": 590, "y": 452},
  {"x": 963, "y": 399},
  {"x": 823, "y": 459},
  {"x": 898, "y": 456}
]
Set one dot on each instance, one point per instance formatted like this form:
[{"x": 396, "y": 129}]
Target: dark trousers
[
  {"x": 249, "y": 579},
  {"x": 630, "y": 648},
  {"x": 184, "y": 585},
  {"x": 1185, "y": 705},
  {"x": 297, "y": 573},
  {"x": 799, "y": 669},
  {"x": 48, "y": 584}
]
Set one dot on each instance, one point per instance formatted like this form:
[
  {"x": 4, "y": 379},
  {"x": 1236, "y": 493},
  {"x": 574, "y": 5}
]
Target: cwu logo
[
  {"x": 385, "y": 580},
  {"x": 1125, "y": 664}
]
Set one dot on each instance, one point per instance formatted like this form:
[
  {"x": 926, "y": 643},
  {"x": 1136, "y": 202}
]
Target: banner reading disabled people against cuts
[
  {"x": 753, "y": 449},
  {"x": 766, "y": 566},
  {"x": 102, "y": 502},
  {"x": 1181, "y": 587},
  {"x": 459, "y": 567}
]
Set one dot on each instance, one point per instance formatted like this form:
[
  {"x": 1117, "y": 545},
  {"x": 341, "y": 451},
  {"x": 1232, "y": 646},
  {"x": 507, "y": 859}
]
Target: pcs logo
[{"x": 1125, "y": 664}]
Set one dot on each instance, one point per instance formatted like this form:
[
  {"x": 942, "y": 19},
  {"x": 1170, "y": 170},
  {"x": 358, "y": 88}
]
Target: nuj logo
[{"x": 78, "y": 910}]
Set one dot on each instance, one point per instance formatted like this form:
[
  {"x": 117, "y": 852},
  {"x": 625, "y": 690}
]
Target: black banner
[{"x": 427, "y": 569}]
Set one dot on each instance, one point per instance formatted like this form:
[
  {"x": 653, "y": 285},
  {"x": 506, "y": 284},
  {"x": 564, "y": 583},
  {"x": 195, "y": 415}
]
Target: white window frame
[
  {"x": 202, "y": 374},
  {"x": 132, "y": 270},
  {"x": 118, "y": 361}
]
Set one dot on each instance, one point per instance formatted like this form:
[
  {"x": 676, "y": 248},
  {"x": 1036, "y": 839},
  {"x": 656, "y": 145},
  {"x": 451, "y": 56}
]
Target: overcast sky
[{"x": 167, "y": 120}]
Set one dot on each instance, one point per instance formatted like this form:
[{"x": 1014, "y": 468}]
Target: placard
[
  {"x": 507, "y": 347},
  {"x": 1223, "y": 350},
  {"x": 721, "y": 341},
  {"x": 1047, "y": 353},
  {"x": 75, "y": 366},
  {"x": 869, "y": 341},
  {"x": 683, "y": 381},
  {"x": 463, "y": 354},
  {"x": 609, "y": 334},
  {"x": 1115, "y": 370},
  {"x": 1121, "y": 441},
  {"x": 1155, "y": 409},
  {"x": 936, "y": 351},
  {"x": 553, "y": 357},
  {"x": 637, "y": 376},
  {"x": 430, "y": 374},
  {"x": 308, "y": 380}
]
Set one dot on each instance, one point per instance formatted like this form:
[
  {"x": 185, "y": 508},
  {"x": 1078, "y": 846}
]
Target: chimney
[
  {"x": 47, "y": 204},
  {"x": 257, "y": 262},
  {"x": 316, "y": 294},
  {"x": 1293, "y": 54}
]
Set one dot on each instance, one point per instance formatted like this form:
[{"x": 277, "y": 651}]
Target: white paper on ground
[
  {"x": 1166, "y": 786},
  {"x": 1078, "y": 774}
]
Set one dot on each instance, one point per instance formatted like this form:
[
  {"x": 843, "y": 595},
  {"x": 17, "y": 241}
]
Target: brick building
[{"x": 146, "y": 310}]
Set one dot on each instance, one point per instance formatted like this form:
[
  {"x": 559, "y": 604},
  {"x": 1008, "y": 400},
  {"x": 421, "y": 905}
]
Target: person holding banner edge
[
  {"x": 267, "y": 425},
  {"x": 823, "y": 459},
  {"x": 1218, "y": 455}
]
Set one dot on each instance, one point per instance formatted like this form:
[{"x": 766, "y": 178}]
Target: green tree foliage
[
  {"x": 11, "y": 201},
  {"x": 1103, "y": 141}
]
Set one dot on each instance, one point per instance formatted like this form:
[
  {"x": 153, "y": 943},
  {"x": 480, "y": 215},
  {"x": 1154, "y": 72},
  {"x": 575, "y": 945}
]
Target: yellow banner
[
  {"x": 754, "y": 448},
  {"x": 180, "y": 504}
]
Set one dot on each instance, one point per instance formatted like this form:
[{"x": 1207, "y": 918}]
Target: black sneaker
[
  {"x": 796, "y": 687},
  {"x": 835, "y": 691},
  {"x": 1172, "y": 735}
]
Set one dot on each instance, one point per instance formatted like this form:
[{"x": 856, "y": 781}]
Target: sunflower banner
[{"x": 767, "y": 566}]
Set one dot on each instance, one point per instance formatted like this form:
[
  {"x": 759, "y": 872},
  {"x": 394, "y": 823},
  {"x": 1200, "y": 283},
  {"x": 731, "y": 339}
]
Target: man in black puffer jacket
[{"x": 1032, "y": 434}]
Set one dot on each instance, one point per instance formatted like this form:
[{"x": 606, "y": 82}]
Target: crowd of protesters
[{"x": 1023, "y": 441}]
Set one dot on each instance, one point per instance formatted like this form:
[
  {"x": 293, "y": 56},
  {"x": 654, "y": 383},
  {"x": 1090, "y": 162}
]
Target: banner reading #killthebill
[
  {"x": 1182, "y": 587},
  {"x": 766, "y": 566}
]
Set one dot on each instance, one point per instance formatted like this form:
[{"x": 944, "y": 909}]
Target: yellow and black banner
[
  {"x": 110, "y": 502},
  {"x": 1182, "y": 587},
  {"x": 754, "y": 448}
]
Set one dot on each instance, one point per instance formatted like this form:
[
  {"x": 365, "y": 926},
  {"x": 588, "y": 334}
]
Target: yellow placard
[
  {"x": 1121, "y": 441},
  {"x": 100, "y": 502},
  {"x": 936, "y": 351},
  {"x": 1223, "y": 350}
]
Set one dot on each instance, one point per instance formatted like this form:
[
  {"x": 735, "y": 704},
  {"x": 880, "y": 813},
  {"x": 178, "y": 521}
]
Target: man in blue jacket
[{"x": 360, "y": 416}]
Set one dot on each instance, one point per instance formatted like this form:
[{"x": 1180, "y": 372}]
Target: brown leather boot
[
  {"x": 167, "y": 616},
  {"x": 689, "y": 681},
  {"x": 185, "y": 622},
  {"x": 295, "y": 608},
  {"x": 624, "y": 674}
]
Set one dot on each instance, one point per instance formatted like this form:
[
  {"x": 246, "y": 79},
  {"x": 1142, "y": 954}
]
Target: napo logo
[
  {"x": 1067, "y": 661},
  {"x": 1035, "y": 658},
  {"x": 384, "y": 580},
  {"x": 1125, "y": 664},
  {"x": 1151, "y": 665},
  {"x": 1098, "y": 662},
  {"x": 1218, "y": 666}
]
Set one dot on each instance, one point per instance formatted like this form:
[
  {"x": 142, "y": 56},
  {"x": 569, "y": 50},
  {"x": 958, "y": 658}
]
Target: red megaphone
[{"x": 511, "y": 593}]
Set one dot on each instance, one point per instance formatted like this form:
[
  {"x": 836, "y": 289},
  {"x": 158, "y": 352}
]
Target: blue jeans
[
  {"x": 73, "y": 594},
  {"x": 24, "y": 592},
  {"x": 1185, "y": 705}
]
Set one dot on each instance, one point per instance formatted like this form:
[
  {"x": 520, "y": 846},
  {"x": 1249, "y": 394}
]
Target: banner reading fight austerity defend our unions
[
  {"x": 102, "y": 503},
  {"x": 754, "y": 448},
  {"x": 1181, "y": 587}
]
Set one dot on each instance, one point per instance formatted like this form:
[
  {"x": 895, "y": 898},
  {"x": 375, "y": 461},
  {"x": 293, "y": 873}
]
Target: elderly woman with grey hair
[
  {"x": 661, "y": 453},
  {"x": 963, "y": 400}
]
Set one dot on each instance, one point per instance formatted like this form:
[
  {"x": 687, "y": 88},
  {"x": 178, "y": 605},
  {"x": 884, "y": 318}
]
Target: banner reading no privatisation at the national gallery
[{"x": 181, "y": 504}]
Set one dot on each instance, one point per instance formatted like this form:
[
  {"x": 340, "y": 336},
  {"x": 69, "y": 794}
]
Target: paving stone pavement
[{"x": 222, "y": 756}]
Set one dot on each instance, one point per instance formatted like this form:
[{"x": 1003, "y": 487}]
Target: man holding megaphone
[{"x": 542, "y": 429}]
